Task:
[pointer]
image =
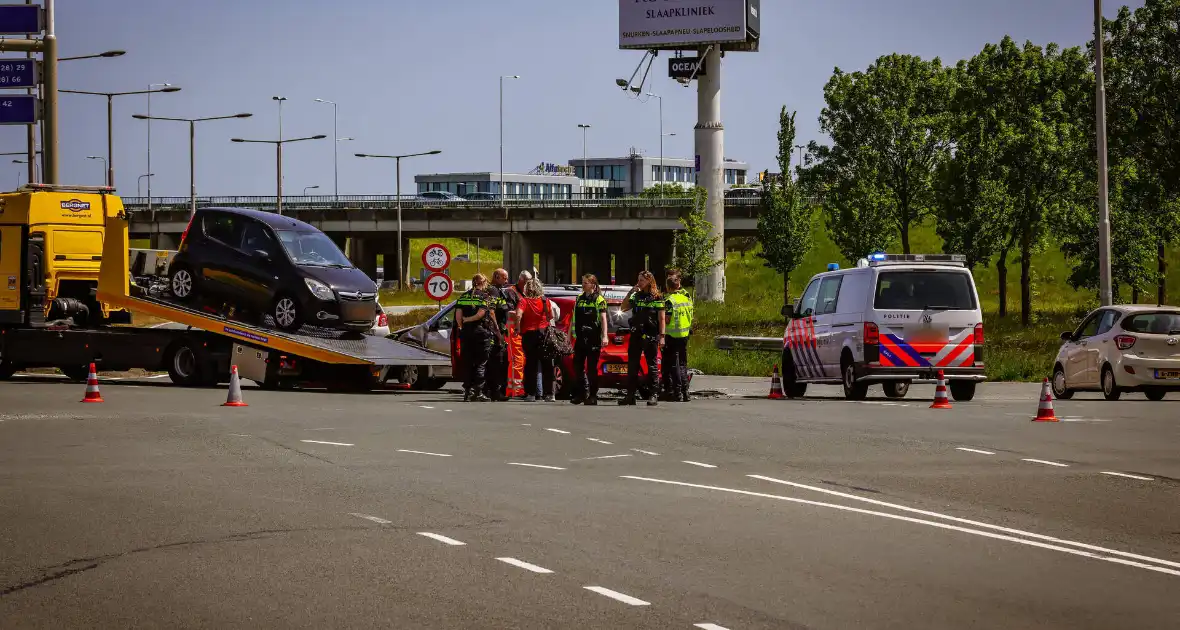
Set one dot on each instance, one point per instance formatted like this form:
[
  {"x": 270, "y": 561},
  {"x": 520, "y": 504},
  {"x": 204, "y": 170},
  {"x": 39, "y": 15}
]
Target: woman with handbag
[{"x": 534, "y": 315}]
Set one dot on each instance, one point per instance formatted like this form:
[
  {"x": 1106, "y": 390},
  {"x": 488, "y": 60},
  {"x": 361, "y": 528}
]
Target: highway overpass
[{"x": 637, "y": 232}]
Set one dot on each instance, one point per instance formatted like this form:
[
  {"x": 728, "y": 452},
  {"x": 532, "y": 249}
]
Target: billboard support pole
[
  {"x": 49, "y": 131},
  {"x": 710, "y": 141}
]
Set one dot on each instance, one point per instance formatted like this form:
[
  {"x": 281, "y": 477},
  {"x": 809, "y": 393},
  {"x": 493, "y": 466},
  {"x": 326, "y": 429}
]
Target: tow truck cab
[{"x": 51, "y": 240}]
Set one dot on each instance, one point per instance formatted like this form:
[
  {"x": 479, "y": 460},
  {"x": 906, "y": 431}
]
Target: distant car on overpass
[{"x": 439, "y": 195}]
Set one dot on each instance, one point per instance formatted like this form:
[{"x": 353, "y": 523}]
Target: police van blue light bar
[
  {"x": 833, "y": 266},
  {"x": 878, "y": 257},
  {"x": 953, "y": 259}
]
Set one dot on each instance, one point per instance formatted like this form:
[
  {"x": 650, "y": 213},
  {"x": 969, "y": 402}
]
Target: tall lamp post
[
  {"x": 139, "y": 183},
  {"x": 279, "y": 160},
  {"x": 192, "y": 135},
  {"x": 661, "y": 100},
  {"x": 151, "y": 86},
  {"x": 585, "y": 168},
  {"x": 307, "y": 188},
  {"x": 503, "y": 196},
  {"x": 105, "y": 165},
  {"x": 49, "y": 96},
  {"x": 335, "y": 149},
  {"x": 1106, "y": 289},
  {"x": 18, "y": 172},
  {"x": 111, "y": 122},
  {"x": 401, "y": 261}
]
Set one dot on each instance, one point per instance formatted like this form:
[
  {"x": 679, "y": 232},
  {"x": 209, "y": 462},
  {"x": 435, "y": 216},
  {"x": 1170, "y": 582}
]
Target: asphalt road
[{"x": 160, "y": 508}]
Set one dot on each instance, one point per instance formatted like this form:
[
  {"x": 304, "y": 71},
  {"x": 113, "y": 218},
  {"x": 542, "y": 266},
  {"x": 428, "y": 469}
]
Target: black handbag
[{"x": 555, "y": 343}]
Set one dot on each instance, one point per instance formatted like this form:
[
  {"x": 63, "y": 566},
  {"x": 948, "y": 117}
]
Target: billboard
[{"x": 681, "y": 23}]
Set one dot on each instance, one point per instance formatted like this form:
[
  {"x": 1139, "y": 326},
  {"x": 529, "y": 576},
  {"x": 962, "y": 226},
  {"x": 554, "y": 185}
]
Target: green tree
[
  {"x": 694, "y": 245},
  {"x": 889, "y": 129},
  {"x": 658, "y": 191},
  {"x": 784, "y": 225}
]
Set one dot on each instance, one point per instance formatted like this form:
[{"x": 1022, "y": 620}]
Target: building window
[
  {"x": 421, "y": 187},
  {"x": 655, "y": 173},
  {"x": 580, "y": 172}
]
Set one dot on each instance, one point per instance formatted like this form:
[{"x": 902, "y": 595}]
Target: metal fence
[{"x": 410, "y": 202}]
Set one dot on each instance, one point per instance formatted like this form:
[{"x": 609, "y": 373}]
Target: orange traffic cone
[
  {"x": 235, "y": 390},
  {"x": 1045, "y": 408},
  {"x": 941, "y": 401},
  {"x": 92, "y": 394},
  {"x": 776, "y": 386}
]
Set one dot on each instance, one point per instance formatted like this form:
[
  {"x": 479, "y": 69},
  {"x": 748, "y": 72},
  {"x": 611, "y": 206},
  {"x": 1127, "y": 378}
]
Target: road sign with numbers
[
  {"x": 438, "y": 287},
  {"x": 436, "y": 257},
  {"x": 19, "y": 109}
]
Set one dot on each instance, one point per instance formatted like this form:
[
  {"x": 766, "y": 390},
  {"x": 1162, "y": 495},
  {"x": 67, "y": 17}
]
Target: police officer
[
  {"x": 646, "y": 306},
  {"x": 478, "y": 331},
  {"x": 504, "y": 301},
  {"x": 589, "y": 330},
  {"x": 679, "y": 315}
]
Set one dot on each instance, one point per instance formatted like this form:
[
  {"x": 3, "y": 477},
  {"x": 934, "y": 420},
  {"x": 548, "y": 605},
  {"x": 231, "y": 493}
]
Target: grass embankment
[{"x": 754, "y": 297}]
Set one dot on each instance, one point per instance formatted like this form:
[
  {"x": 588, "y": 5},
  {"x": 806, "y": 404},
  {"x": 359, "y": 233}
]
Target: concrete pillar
[
  {"x": 563, "y": 268},
  {"x": 164, "y": 241},
  {"x": 547, "y": 270},
  {"x": 710, "y": 144},
  {"x": 407, "y": 267},
  {"x": 629, "y": 252},
  {"x": 594, "y": 259},
  {"x": 363, "y": 254},
  {"x": 390, "y": 266},
  {"x": 659, "y": 253},
  {"x": 518, "y": 253},
  {"x": 340, "y": 239}
]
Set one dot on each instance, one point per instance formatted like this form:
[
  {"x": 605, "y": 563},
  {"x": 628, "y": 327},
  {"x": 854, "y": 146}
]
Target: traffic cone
[
  {"x": 941, "y": 401},
  {"x": 92, "y": 394},
  {"x": 1045, "y": 408},
  {"x": 776, "y": 386},
  {"x": 235, "y": 390}
]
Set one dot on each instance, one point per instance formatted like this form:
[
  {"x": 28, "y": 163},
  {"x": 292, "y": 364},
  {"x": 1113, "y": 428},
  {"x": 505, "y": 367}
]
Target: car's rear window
[
  {"x": 922, "y": 290},
  {"x": 1153, "y": 323}
]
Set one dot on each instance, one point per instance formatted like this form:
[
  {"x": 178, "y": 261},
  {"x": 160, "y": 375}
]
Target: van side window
[
  {"x": 807, "y": 302},
  {"x": 220, "y": 227},
  {"x": 1090, "y": 327},
  {"x": 829, "y": 293},
  {"x": 1107, "y": 322},
  {"x": 255, "y": 236}
]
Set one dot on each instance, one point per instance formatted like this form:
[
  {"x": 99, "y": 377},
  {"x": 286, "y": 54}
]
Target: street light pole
[
  {"x": 585, "y": 167},
  {"x": 139, "y": 183},
  {"x": 1106, "y": 289},
  {"x": 503, "y": 196},
  {"x": 192, "y": 161},
  {"x": 661, "y": 100},
  {"x": 307, "y": 188},
  {"x": 800, "y": 147},
  {"x": 401, "y": 259},
  {"x": 110, "y": 96},
  {"x": 149, "y": 137},
  {"x": 335, "y": 150},
  {"x": 105, "y": 164},
  {"x": 279, "y": 160}
]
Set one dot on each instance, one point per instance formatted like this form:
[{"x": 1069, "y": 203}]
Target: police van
[{"x": 894, "y": 320}]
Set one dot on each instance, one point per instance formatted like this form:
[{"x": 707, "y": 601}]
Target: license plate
[
  {"x": 1167, "y": 375},
  {"x": 616, "y": 368}
]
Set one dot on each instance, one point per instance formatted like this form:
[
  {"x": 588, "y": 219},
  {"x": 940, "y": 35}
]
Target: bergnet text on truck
[{"x": 893, "y": 320}]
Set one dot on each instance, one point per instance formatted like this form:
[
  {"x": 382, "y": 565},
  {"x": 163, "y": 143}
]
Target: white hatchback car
[{"x": 1120, "y": 349}]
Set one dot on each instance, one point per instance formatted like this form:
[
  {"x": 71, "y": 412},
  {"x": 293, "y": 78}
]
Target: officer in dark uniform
[
  {"x": 504, "y": 301},
  {"x": 477, "y": 332},
  {"x": 589, "y": 329},
  {"x": 646, "y": 306}
]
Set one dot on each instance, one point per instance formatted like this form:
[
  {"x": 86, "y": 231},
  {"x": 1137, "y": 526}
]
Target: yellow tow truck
[{"x": 67, "y": 282}]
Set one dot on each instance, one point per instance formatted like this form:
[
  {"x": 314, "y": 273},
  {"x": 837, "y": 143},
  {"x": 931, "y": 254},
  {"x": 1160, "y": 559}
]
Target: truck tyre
[
  {"x": 185, "y": 365},
  {"x": 77, "y": 373},
  {"x": 962, "y": 391},
  {"x": 852, "y": 389},
  {"x": 896, "y": 389},
  {"x": 182, "y": 283},
  {"x": 7, "y": 369}
]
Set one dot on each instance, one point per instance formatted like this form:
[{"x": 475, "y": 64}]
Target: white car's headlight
[{"x": 320, "y": 290}]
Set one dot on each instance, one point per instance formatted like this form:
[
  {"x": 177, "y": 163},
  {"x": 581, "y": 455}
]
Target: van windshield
[
  {"x": 313, "y": 249},
  {"x": 924, "y": 290}
]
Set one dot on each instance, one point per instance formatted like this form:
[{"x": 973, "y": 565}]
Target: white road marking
[
  {"x": 526, "y": 425},
  {"x": 426, "y": 406},
  {"x": 615, "y": 595},
  {"x": 323, "y": 429},
  {"x": 599, "y": 441},
  {"x": 239, "y": 435},
  {"x": 328, "y": 443},
  {"x": 447, "y": 410},
  {"x": 375, "y": 519},
  {"x": 524, "y": 565},
  {"x": 1127, "y": 475},
  {"x": 973, "y": 450},
  {"x": 402, "y": 450},
  {"x": 1045, "y": 462},
  {"x": 1079, "y": 419},
  {"x": 443, "y": 539},
  {"x": 535, "y": 466},
  {"x": 639, "y": 450},
  {"x": 158, "y": 376},
  {"x": 698, "y": 464},
  {"x": 956, "y": 519},
  {"x": 601, "y": 457},
  {"x": 709, "y": 626},
  {"x": 558, "y": 431}
]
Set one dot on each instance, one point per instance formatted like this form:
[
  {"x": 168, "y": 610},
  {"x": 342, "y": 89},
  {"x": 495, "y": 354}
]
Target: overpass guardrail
[{"x": 390, "y": 202}]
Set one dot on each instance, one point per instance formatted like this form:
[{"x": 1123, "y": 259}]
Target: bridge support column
[
  {"x": 659, "y": 255},
  {"x": 363, "y": 254},
  {"x": 164, "y": 241},
  {"x": 390, "y": 266},
  {"x": 629, "y": 250},
  {"x": 341, "y": 241},
  {"x": 595, "y": 260},
  {"x": 518, "y": 254}
]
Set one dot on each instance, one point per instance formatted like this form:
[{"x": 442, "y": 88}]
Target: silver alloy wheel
[
  {"x": 184, "y": 362},
  {"x": 849, "y": 376},
  {"x": 285, "y": 312},
  {"x": 1107, "y": 381},
  {"x": 1058, "y": 383},
  {"x": 182, "y": 283}
]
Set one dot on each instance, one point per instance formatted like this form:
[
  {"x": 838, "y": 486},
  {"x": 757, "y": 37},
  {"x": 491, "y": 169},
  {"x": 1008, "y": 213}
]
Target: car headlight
[{"x": 320, "y": 290}]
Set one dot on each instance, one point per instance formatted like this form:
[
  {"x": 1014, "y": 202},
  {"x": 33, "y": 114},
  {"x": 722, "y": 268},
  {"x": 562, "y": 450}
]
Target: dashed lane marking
[
  {"x": 367, "y": 517},
  {"x": 328, "y": 443},
  {"x": 601, "y": 457},
  {"x": 240, "y": 435},
  {"x": 639, "y": 450},
  {"x": 442, "y": 539},
  {"x": 1045, "y": 462},
  {"x": 709, "y": 626},
  {"x": 559, "y": 431},
  {"x": 528, "y": 566},
  {"x": 617, "y": 596},
  {"x": 955, "y": 519},
  {"x": 535, "y": 466},
  {"x": 974, "y": 450},
  {"x": 599, "y": 441},
  {"x": 698, "y": 464},
  {"x": 402, "y": 450},
  {"x": 426, "y": 406},
  {"x": 1127, "y": 475}
]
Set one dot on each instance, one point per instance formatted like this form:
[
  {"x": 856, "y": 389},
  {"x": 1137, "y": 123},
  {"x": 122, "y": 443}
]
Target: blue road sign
[
  {"x": 20, "y": 19},
  {"x": 18, "y": 109},
  {"x": 18, "y": 73}
]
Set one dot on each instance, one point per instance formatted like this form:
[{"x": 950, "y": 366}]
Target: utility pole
[
  {"x": 710, "y": 143},
  {"x": 1106, "y": 292}
]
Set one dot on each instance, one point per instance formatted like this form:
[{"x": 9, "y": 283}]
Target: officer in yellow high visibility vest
[{"x": 679, "y": 312}]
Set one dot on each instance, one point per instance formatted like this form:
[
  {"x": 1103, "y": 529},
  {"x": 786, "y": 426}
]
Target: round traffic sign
[
  {"x": 436, "y": 257},
  {"x": 438, "y": 286}
]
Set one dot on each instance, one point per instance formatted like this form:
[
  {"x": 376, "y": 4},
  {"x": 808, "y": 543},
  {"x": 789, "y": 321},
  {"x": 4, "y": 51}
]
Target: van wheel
[
  {"x": 182, "y": 283},
  {"x": 962, "y": 391},
  {"x": 896, "y": 389},
  {"x": 852, "y": 389},
  {"x": 1060, "y": 391},
  {"x": 791, "y": 385},
  {"x": 287, "y": 313},
  {"x": 1110, "y": 390}
]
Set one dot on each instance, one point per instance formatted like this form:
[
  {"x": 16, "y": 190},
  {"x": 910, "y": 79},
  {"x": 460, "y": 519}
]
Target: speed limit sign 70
[
  {"x": 438, "y": 287},
  {"x": 436, "y": 257}
]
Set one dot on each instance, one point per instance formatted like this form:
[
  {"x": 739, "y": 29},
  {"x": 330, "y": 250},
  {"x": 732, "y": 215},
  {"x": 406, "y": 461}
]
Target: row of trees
[{"x": 999, "y": 151}]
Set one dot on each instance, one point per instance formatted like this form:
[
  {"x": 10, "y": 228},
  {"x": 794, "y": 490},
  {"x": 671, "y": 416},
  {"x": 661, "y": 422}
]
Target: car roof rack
[{"x": 876, "y": 260}]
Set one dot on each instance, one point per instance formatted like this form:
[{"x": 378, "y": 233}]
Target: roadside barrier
[
  {"x": 776, "y": 386},
  {"x": 1045, "y": 407},
  {"x": 941, "y": 400},
  {"x": 92, "y": 393},
  {"x": 235, "y": 390}
]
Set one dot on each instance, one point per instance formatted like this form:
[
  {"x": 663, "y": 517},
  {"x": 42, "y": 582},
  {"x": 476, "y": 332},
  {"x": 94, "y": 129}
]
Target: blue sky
[{"x": 419, "y": 75}]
